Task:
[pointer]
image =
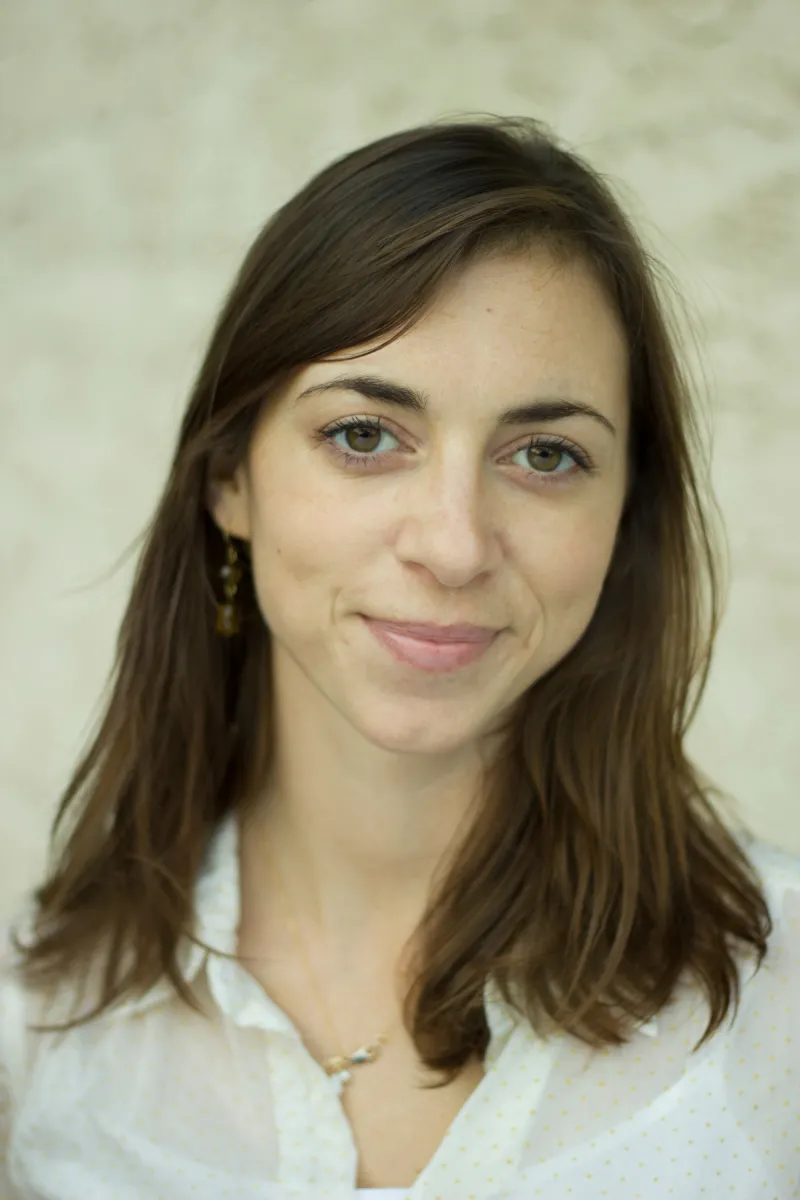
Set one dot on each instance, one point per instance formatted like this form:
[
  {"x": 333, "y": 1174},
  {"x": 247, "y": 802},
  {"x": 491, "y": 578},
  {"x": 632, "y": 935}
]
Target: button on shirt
[{"x": 153, "y": 1100}]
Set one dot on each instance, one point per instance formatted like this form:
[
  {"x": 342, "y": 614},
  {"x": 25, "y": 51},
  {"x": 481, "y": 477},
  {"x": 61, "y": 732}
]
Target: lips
[
  {"x": 440, "y": 633},
  {"x": 449, "y": 649}
]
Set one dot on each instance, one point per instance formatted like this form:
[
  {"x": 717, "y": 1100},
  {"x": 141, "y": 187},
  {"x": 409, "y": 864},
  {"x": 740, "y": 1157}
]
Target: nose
[{"x": 445, "y": 525}]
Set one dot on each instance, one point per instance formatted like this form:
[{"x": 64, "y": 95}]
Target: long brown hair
[{"x": 597, "y": 872}]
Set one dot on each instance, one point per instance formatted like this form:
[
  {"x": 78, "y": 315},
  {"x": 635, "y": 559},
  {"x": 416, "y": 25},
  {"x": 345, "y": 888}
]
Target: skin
[{"x": 377, "y": 763}]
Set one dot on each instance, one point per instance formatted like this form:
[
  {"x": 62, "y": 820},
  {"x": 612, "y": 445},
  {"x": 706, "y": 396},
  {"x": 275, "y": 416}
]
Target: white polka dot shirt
[{"x": 154, "y": 1102}]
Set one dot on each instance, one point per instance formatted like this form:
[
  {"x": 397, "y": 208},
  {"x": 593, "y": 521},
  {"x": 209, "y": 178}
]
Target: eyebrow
[{"x": 374, "y": 387}]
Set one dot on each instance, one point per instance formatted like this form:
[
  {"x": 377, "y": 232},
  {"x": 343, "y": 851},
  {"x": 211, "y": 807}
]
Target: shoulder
[
  {"x": 779, "y": 872},
  {"x": 758, "y": 1051},
  {"x": 773, "y": 991},
  {"x": 15, "y": 1009},
  {"x": 20, "y": 1006}
]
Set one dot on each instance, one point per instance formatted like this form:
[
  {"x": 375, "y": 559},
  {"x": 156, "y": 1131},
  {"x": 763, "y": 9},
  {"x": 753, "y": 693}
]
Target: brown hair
[{"x": 597, "y": 871}]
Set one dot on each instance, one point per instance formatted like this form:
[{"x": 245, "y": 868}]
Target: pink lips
[
  {"x": 441, "y": 633},
  {"x": 433, "y": 647}
]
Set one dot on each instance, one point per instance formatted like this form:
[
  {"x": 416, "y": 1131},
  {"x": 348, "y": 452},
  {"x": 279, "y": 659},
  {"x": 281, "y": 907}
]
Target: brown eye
[
  {"x": 549, "y": 457},
  {"x": 363, "y": 439},
  {"x": 545, "y": 460},
  {"x": 358, "y": 440}
]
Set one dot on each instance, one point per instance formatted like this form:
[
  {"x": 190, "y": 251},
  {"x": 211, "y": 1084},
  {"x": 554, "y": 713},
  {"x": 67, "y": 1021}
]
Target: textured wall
[{"x": 144, "y": 143}]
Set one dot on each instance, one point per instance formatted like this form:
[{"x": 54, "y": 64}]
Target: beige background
[{"x": 144, "y": 143}]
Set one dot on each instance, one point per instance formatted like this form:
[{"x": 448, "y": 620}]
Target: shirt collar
[{"x": 217, "y": 908}]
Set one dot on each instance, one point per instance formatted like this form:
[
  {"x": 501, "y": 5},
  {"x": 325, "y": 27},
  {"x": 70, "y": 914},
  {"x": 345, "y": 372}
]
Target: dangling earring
[{"x": 228, "y": 612}]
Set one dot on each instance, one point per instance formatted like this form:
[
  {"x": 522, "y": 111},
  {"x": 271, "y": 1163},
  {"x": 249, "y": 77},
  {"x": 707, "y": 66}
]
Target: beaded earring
[{"x": 230, "y": 573}]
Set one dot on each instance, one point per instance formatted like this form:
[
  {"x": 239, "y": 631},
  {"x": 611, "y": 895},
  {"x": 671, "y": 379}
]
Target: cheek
[
  {"x": 566, "y": 577},
  {"x": 288, "y": 557},
  {"x": 304, "y": 551},
  {"x": 583, "y": 567}
]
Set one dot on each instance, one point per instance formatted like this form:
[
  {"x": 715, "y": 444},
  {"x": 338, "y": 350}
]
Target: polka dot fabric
[{"x": 153, "y": 1100}]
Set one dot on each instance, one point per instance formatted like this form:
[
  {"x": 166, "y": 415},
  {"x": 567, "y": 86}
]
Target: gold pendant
[{"x": 338, "y": 1065}]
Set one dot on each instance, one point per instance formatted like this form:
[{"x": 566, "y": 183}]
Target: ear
[{"x": 228, "y": 502}]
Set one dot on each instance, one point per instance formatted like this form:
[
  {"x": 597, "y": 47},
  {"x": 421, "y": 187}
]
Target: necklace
[{"x": 338, "y": 1065}]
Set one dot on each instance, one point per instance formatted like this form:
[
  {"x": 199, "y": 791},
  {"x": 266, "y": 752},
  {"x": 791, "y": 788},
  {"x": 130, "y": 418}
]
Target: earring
[{"x": 230, "y": 573}]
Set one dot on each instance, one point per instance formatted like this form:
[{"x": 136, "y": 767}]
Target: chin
[{"x": 424, "y": 736}]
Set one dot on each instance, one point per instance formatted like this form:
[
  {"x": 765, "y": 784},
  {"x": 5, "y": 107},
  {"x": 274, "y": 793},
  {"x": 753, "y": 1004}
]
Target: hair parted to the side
[{"x": 597, "y": 873}]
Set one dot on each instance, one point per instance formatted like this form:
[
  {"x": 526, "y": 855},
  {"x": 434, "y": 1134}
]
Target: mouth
[
  {"x": 439, "y": 633},
  {"x": 433, "y": 648}
]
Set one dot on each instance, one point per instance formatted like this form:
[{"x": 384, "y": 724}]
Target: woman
[{"x": 386, "y": 867}]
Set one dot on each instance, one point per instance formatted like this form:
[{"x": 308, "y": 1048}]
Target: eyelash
[{"x": 583, "y": 462}]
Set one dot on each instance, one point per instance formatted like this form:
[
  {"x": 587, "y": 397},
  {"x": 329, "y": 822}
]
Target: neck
[
  {"x": 360, "y": 838},
  {"x": 361, "y": 833},
  {"x": 359, "y": 856}
]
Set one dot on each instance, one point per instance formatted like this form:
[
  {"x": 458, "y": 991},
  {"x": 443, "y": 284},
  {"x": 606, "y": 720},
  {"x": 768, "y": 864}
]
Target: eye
[
  {"x": 360, "y": 438},
  {"x": 553, "y": 450}
]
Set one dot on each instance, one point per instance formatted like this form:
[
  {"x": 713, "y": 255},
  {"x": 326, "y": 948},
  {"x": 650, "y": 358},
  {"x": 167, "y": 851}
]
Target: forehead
[
  {"x": 504, "y": 325},
  {"x": 532, "y": 293}
]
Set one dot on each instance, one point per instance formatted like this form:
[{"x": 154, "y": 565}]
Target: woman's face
[{"x": 445, "y": 511}]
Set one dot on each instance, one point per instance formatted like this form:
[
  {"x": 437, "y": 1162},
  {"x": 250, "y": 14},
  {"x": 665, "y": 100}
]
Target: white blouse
[{"x": 152, "y": 1100}]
